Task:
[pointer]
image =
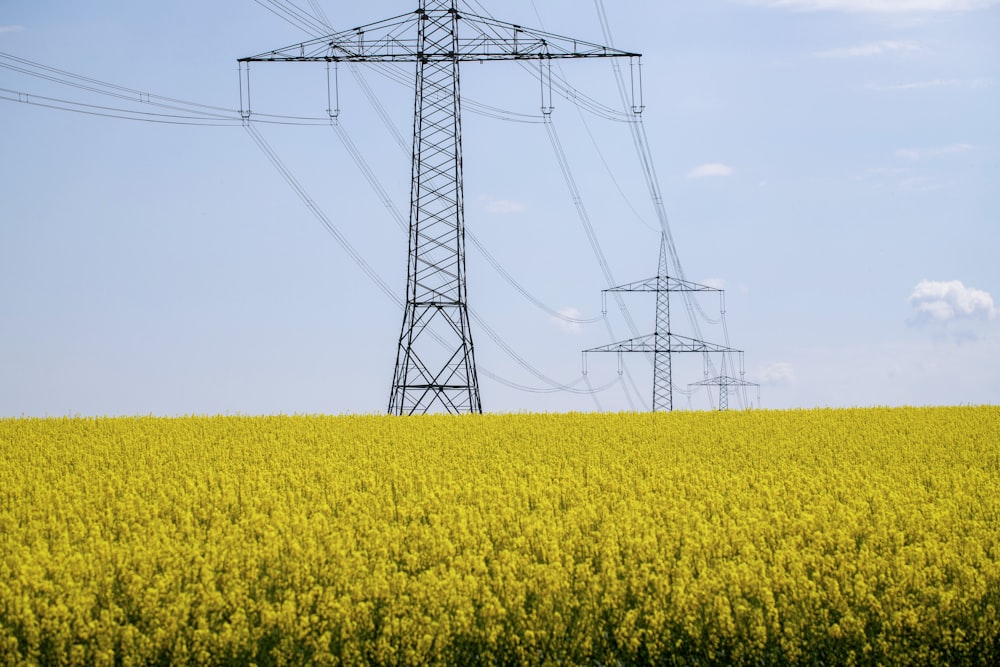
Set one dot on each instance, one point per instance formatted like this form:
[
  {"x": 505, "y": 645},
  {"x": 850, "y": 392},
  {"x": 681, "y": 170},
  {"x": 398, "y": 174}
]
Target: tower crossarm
[
  {"x": 395, "y": 40},
  {"x": 723, "y": 380},
  {"x": 662, "y": 343},
  {"x": 435, "y": 359},
  {"x": 661, "y": 284}
]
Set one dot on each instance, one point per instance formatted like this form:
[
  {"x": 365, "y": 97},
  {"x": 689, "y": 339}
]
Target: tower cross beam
[
  {"x": 386, "y": 41},
  {"x": 661, "y": 342},
  {"x": 660, "y": 283},
  {"x": 435, "y": 360}
]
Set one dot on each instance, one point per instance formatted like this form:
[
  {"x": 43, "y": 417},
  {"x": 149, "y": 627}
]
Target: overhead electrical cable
[
  {"x": 381, "y": 284},
  {"x": 206, "y": 115},
  {"x": 641, "y": 141},
  {"x": 373, "y": 180},
  {"x": 39, "y": 70},
  {"x": 595, "y": 244},
  {"x": 290, "y": 16},
  {"x": 233, "y": 117},
  {"x": 380, "y": 110},
  {"x": 559, "y": 84},
  {"x": 583, "y": 214},
  {"x": 611, "y": 173},
  {"x": 319, "y": 26},
  {"x": 318, "y": 11},
  {"x": 107, "y": 112},
  {"x": 189, "y": 113},
  {"x": 290, "y": 179},
  {"x": 397, "y": 216}
]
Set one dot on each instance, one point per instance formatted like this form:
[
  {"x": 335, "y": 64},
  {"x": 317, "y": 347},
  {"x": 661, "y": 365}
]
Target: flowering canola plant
[{"x": 862, "y": 536}]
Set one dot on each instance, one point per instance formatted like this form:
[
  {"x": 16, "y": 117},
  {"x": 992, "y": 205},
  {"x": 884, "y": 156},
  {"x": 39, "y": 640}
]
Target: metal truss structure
[
  {"x": 724, "y": 382},
  {"x": 435, "y": 361},
  {"x": 663, "y": 342}
]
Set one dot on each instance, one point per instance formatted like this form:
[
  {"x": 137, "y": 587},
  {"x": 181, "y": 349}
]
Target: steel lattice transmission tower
[
  {"x": 435, "y": 361},
  {"x": 724, "y": 382},
  {"x": 662, "y": 343}
]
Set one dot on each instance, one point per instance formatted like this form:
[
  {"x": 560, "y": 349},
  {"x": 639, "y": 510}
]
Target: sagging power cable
[
  {"x": 553, "y": 385},
  {"x": 187, "y": 112},
  {"x": 641, "y": 141}
]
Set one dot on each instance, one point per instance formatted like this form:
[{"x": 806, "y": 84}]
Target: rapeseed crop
[{"x": 866, "y": 536}]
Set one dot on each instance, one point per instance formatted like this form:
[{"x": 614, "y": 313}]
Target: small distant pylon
[
  {"x": 663, "y": 343},
  {"x": 724, "y": 382}
]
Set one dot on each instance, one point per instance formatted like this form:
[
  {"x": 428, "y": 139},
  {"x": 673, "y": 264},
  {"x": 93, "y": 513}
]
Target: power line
[
  {"x": 209, "y": 115},
  {"x": 289, "y": 177},
  {"x": 231, "y": 118},
  {"x": 189, "y": 113},
  {"x": 373, "y": 180},
  {"x": 641, "y": 141}
]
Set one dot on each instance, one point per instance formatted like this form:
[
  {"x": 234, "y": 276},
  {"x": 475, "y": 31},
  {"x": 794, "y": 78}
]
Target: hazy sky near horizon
[{"x": 833, "y": 164}]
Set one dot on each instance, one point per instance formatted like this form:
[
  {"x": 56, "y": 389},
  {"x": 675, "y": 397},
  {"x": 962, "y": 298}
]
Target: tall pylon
[
  {"x": 435, "y": 361},
  {"x": 663, "y": 342}
]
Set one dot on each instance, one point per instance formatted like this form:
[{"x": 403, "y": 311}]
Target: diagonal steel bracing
[
  {"x": 435, "y": 361},
  {"x": 663, "y": 343}
]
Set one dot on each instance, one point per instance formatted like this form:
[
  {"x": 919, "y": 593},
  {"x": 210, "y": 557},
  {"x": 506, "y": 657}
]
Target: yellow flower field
[{"x": 865, "y": 536}]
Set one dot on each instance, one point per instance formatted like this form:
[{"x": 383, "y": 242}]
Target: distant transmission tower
[
  {"x": 724, "y": 382},
  {"x": 435, "y": 363},
  {"x": 663, "y": 343}
]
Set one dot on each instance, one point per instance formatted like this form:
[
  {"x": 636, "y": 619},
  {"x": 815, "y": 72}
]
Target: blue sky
[{"x": 833, "y": 164}]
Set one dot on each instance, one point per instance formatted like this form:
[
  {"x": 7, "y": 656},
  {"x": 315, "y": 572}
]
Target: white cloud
[
  {"x": 872, "y": 49},
  {"x": 11, "y": 28},
  {"x": 944, "y": 301},
  {"x": 710, "y": 169},
  {"x": 778, "y": 373},
  {"x": 883, "y": 6},
  {"x": 565, "y": 322},
  {"x": 923, "y": 153},
  {"x": 502, "y": 206}
]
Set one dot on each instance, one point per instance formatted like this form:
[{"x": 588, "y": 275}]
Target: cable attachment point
[
  {"x": 245, "y": 84},
  {"x": 545, "y": 77},
  {"x": 333, "y": 91},
  {"x": 635, "y": 68}
]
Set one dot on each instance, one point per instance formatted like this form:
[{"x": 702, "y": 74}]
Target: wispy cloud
[
  {"x": 873, "y": 49},
  {"x": 11, "y": 28},
  {"x": 925, "y": 153},
  {"x": 502, "y": 206},
  {"x": 883, "y": 6},
  {"x": 781, "y": 372},
  {"x": 931, "y": 83},
  {"x": 710, "y": 169},
  {"x": 565, "y": 322},
  {"x": 945, "y": 301}
]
